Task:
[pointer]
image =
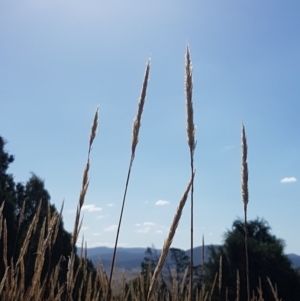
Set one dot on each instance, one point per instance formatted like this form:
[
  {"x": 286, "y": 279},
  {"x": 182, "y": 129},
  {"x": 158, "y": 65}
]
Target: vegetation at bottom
[
  {"x": 39, "y": 260},
  {"x": 24, "y": 201}
]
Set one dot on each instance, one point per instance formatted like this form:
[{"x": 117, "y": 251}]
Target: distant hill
[
  {"x": 127, "y": 258},
  {"x": 295, "y": 259},
  {"x": 130, "y": 259}
]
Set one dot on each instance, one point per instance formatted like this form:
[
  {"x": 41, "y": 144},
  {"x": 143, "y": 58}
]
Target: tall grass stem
[
  {"x": 245, "y": 196},
  {"x": 135, "y": 136},
  {"x": 192, "y": 145}
]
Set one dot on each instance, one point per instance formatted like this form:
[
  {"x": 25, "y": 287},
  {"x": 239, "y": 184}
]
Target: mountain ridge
[{"x": 130, "y": 258}]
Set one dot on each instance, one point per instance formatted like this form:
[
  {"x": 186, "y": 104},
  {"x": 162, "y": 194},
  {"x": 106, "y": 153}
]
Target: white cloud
[
  {"x": 110, "y": 228},
  {"x": 144, "y": 230},
  {"x": 162, "y": 203},
  {"x": 137, "y": 225},
  {"x": 110, "y": 204},
  {"x": 149, "y": 224},
  {"x": 84, "y": 228},
  {"x": 289, "y": 180},
  {"x": 106, "y": 244},
  {"x": 158, "y": 231},
  {"x": 102, "y": 216},
  {"x": 96, "y": 234},
  {"x": 90, "y": 208}
]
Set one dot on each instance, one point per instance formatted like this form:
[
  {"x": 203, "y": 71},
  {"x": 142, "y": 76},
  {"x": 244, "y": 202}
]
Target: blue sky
[{"x": 59, "y": 60}]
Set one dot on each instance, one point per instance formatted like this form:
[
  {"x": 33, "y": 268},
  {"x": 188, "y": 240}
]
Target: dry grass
[
  {"x": 168, "y": 241},
  {"x": 135, "y": 139},
  {"x": 192, "y": 145},
  {"x": 245, "y": 196},
  {"x": 82, "y": 285}
]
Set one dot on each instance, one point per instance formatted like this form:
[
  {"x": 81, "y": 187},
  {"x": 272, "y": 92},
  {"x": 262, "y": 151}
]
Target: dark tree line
[{"x": 266, "y": 260}]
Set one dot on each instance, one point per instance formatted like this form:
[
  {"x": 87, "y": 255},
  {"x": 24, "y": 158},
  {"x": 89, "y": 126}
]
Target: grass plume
[
  {"x": 245, "y": 196},
  {"x": 78, "y": 223},
  {"x": 135, "y": 139},
  {"x": 192, "y": 145}
]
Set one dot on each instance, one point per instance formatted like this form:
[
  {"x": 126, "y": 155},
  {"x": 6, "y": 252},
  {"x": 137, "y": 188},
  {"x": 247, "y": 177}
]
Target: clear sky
[{"x": 60, "y": 59}]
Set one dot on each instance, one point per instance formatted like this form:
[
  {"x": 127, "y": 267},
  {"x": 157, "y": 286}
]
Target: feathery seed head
[
  {"x": 245, "y": 193},
  {"x": 137, "y": 120},
  {"x": 189, "y": 102},
  {"x": 94, "y": 127}
]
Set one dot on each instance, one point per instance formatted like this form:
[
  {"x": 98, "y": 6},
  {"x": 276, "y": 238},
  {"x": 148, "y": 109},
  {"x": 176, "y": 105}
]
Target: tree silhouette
[
  {"x": 23, "y": 200},
  {"x": 7, "y": 195},
  {"x": 266, "y": 259}
]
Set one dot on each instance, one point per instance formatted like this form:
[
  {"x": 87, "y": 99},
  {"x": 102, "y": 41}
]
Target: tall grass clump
[{"x": 71, "y": 279}]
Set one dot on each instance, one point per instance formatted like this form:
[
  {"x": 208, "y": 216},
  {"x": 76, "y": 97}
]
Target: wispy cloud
[
  {"x": 96, "y": 234},
  {"x": 149, "y": 224},
  {"x": 110, "y": 228},
  {"x": 289, "y": 180},
  {"x": 84, "y": 228},
  {"x": 90, "y": 208},
  {"x": 229, "y": 147},
  {"x": 102, "y": 216},
  {"x": 137, "y": 224},
  {"x": 159, "y": 231},
  {"x": 107, "y": 244},
  {"x": 162, "y": 203},
  {"x": 144, "y": 230},
  {"x": 110, "y": 204}
]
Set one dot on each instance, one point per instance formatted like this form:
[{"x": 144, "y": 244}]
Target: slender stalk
[
  {"x": 77, "y": 225},
  {"x": 169, "y": 240},
  {"x": 237, "y": 286},
  {"x": 21, "y": 217},
  {"x": 245, "y": 195},
  {"x": 213, "y": 287},
  {"x": 202, "y": 290},
  {"x": 274, "y": 290},
  {"x": 135, "y": 135},
  {"x": 192, "y": 145},
  {"x": 220, "y": 277},
  {"x": 202, "y": 259}
]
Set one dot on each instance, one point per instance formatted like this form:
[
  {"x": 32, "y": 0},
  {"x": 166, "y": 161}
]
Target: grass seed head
[
  {"x": 138, "y": 118},
  {"x": 189, "y": 102},
  {"x": 245, "y": 193}
]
